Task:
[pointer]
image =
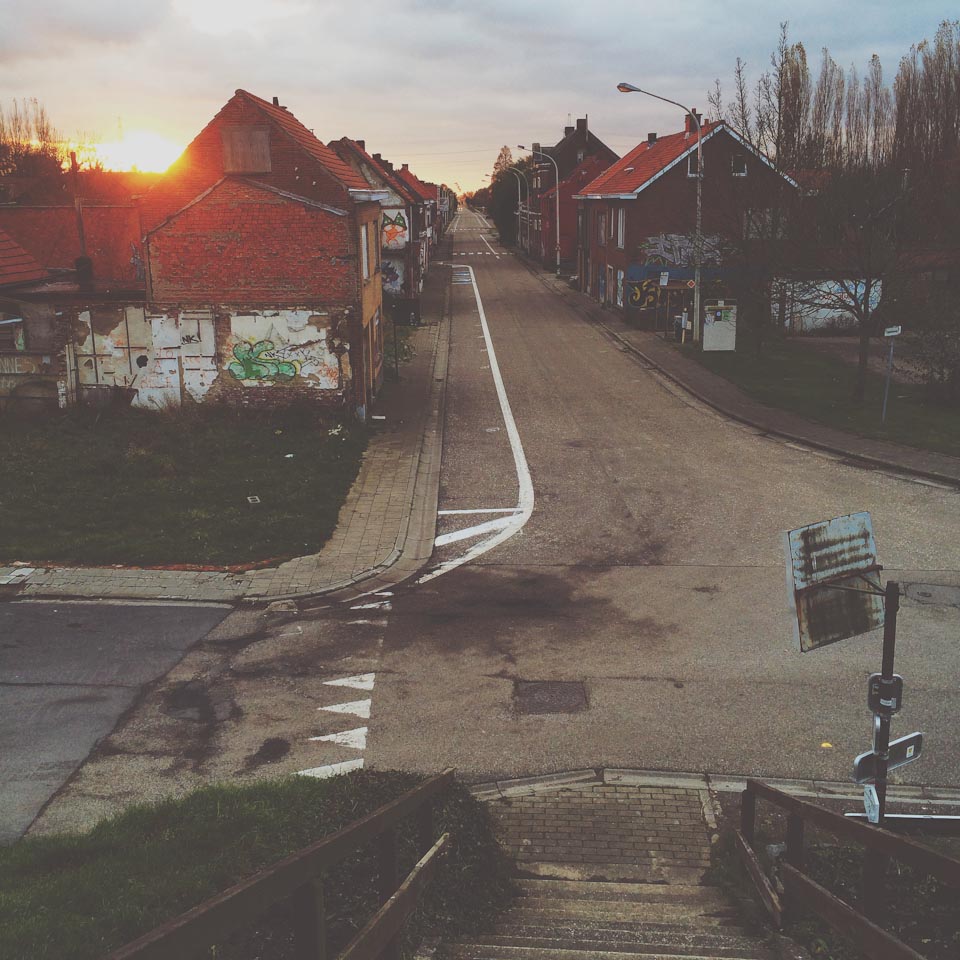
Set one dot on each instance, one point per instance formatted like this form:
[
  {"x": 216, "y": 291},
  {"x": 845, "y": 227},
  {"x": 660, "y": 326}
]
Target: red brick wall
[{"x": 241, "y": 244}]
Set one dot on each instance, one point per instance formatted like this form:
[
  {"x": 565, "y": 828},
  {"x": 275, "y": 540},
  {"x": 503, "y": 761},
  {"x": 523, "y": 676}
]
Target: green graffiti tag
[{"x": 256, "y": 362}]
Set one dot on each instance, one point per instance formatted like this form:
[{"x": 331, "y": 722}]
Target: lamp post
[
  {"x": 540, "y": 153},
  {"x": 698, "y": 239},
  {"x": 519, "y": 199}
]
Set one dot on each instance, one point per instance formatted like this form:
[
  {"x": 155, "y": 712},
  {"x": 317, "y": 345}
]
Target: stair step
[
  {"x": 490, "y": 951},
  {"x": 601, "y": 890},
  {"x": 710, "y": 914},
  {"x": 615, "y": 929},
  {"x": 649, "y": 942}
]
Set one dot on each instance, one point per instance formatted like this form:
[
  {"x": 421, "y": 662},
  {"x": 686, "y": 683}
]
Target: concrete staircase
[{"x": 597, "y": 920}]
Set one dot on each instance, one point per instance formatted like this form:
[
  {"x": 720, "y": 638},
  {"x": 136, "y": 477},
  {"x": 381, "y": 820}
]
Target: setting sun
[{"x": 138, "y": 150}]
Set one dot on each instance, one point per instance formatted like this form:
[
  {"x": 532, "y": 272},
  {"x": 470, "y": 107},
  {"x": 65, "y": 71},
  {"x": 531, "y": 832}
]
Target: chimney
[
  {"x": 567, "y": 131},
  {"x": 651, "y": 139},
  {"x": 276, "y": 101},
  {"x": 582, "y": 125},
  {"x": 362, "y": 144},
  {"x": 405, "y": 168},
  {"x": 689, "y": 126}
]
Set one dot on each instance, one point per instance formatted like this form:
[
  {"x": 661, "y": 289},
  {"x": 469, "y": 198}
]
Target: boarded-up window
[
  {"x": 365, "y": 252},
  {"x": 246, "y": 149}
]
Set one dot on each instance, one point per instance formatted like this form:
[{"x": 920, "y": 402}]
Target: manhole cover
[{"x": 549, "y": 696}]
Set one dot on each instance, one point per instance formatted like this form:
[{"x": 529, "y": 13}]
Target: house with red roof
[
  {"x": 404, "y": 238},
  {"x": 637, "y": 221},
  {"x": 249, "y": 274}
]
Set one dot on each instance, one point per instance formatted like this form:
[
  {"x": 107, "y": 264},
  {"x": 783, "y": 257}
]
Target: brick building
[{"x": 636, "y": 221}]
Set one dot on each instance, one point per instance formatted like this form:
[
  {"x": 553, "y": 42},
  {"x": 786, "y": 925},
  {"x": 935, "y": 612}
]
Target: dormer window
[
  {"x": 693, "y": 165},
  {"x": 579, "y": 156},
  {"x": 738, "y": 164}
]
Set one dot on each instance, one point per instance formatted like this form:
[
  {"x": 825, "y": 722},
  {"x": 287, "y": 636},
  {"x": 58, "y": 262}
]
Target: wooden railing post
[
  {"x": 310, "y": 921},
  {"x": 748, "y": 814},
  {"x": 794, "y": 852},
  {"x": 873, "y": 884},
  {"x": 389, "y": 881},
  {"x": 425, "y": 827}
]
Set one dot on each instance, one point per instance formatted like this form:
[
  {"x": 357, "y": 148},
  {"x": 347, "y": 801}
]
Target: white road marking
[
  {"x": 487, "y": 242},
  {"x": 332, "y": 769},
  {"x": 359, "y": 708},
  {"x": 469, "y": 532},
  {"x": 369, "y": 623},
  {"x": 361, "y": 681},
  {"x": 525, "y": 482},
  {"x": 380, "y": 605},
  {"x": 348, "y": 738},
  {"x": 445, "y": 513}
]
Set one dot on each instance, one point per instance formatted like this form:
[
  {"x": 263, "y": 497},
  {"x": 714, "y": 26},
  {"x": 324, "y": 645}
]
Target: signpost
[
  {"x": 899, "y": 753},
  {"x": 891, "y": 333}
]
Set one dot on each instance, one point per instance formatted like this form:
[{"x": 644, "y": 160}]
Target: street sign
[
  {"x": 833, "y": 580},
  {"x": 900, "y": 753},
  {"x": 691, "y": 283},
  {"x": 871, "y": 803},
  {"x": 664, "y": 278},
  {"x": 892, "y": 331},
  {"x": 884, "y": 697}
]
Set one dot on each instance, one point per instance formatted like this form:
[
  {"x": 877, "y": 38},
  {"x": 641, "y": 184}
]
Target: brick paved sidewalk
[
  {"x": 385, "y": 529},
  {"x": 733, "y": 402},
  {"x": 608, "y": 832}
]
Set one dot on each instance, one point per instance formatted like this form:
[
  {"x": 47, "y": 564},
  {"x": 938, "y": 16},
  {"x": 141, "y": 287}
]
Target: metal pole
[
  {"x": 540, "y": 153},
  {"x": 891, "y": 604},
  {"x": 886, "y": 386},
  {"x": 519, "y": 200},
  {"x": 698, "y": 252}
]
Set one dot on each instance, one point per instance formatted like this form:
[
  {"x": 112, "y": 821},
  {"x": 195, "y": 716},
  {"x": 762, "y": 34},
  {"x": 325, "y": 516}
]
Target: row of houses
[
  {"x": 627, "y": 224},
  {"x": 259, "y": 268}
]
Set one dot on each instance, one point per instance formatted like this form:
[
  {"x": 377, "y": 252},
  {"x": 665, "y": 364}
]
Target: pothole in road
[
  {"x": 549, "y": 696},
  {"x": 271, "y": 750}
]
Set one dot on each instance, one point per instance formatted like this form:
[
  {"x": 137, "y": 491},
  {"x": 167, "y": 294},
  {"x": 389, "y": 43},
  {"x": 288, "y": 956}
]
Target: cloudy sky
[{"x": 440, "y": 84}]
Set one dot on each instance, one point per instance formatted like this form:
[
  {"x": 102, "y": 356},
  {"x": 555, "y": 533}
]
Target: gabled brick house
[
  {"x": 263, "y": 258},
  {"x": 403, "y": 238},
  {"x": 636, "y": 221}
]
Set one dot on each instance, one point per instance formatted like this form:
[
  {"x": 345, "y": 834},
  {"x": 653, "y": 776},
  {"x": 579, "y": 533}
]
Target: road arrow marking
[
  {"x": 349, "y": 738},
  {"x": 359, "y": 708},
  {"x": 362, "y": 681}
]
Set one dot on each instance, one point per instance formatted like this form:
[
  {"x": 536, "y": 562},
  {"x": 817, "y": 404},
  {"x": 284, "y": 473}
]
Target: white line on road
[
  {"x": 361, "y": 681},
  {"x": 446, "y": 513},
  {"x": 348, "y": 738},
  {"x": 332, "y": 769},
  {"x": 469, "y": 532},
  {"x": 525, "y": 482},
  {"x": 487, "y": 242},
  {"x": 359, "y": 708}
]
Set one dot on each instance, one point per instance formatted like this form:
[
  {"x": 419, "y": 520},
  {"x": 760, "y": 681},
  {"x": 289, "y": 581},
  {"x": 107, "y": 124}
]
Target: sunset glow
[{"x": 138, "y": 150}]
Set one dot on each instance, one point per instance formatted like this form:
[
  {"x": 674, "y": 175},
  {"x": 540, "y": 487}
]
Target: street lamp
[
  {"x": 519, "y": 198},
  {"x": 540, "y": 153},
  {"x": 698, "y": 240}
]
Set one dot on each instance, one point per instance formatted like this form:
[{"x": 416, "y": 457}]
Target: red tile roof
[
  {"x": 644, "y": 162},
  {"x": 388, "y": 174},
  {"x": 309, "y": 142},
  {"x": 49, "y": 235},
  {"x": 423, "y": 190},
  {"x": 16, "y": 265}
]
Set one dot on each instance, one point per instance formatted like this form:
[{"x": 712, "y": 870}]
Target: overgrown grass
[
  {"x": 80, "y": 896},
  {"x": 797, "y": 378},
  {"x": 142, "y": 487}
]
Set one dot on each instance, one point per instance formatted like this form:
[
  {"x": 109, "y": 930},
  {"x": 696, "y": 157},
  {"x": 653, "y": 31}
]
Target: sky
[{"x": 438, "y": 84}]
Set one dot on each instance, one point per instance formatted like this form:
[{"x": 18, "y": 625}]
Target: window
[
  {"x": 602, "y": 228},
  {"x": 246, "y": 149},
  {"x": 365, "y": 251},
  {"x": 692, "y": 165},
  {"x": 11, "y": 334},
  {"x": 621, "y": 227},
  {"x": 738, "y": 164},
  {"x": 579, "y": 156},
  {"x": 613, "y": 221}
]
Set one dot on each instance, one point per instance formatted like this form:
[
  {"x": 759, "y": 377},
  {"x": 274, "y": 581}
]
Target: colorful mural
[
  {"x": 256, "y": 361},
  {"x": 395, "y": 230},
  {"x": 391, "y": 272}
]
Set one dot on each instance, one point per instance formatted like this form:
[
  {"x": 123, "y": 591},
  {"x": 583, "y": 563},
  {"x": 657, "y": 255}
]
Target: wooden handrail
[
  {"x": 215, "y": 919},
  {"x": 873, "y": 838}
]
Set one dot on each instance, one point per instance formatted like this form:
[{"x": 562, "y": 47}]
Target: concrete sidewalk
[
  {"x": 385, "y": 529},
  {"x": 732, "y": 402}
]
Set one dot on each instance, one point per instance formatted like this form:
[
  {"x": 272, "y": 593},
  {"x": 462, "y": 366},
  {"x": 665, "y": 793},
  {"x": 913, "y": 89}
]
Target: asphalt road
[
  {"x": 650, "y": 572},
  {"x": 68, "y": 671}
]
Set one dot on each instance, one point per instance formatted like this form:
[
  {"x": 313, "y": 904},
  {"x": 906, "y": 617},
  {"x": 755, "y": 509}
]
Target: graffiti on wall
[
  {"x": 395, "y": 230},
  {"x": 258, "y": 361},
  {"x": 677, "y": 249},
  {"x": 391, "y": 271}
]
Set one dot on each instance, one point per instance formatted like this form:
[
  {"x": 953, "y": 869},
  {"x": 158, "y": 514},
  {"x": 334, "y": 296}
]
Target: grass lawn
[
  {"x": 797, "y": 378},
  {"x": 144, "y": 487},
  {"x": 83, "y": 895}
]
